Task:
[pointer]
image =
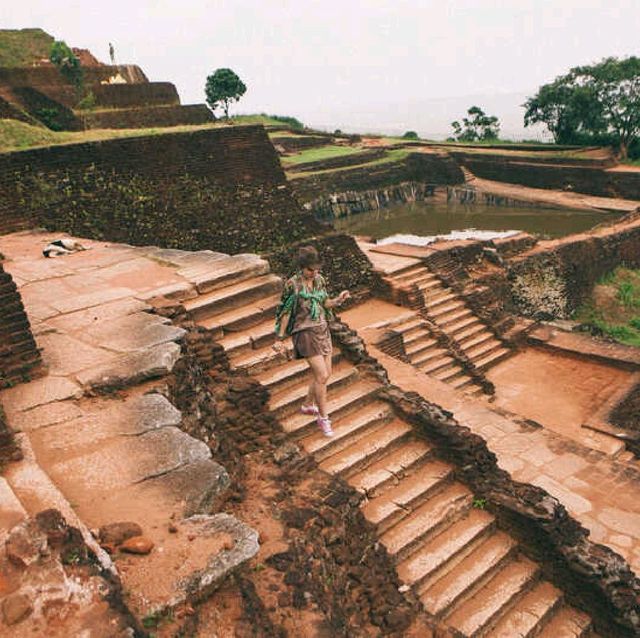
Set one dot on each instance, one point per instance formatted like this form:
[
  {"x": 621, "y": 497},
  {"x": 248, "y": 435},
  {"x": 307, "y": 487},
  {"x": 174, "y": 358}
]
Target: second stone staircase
[{"x": 468, "y": 574}]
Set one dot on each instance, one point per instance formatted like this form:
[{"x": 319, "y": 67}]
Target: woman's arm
[{"x": 337, "y": 301}]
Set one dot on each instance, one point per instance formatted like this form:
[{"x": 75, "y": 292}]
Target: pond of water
[{"x": 421, "y": 222}]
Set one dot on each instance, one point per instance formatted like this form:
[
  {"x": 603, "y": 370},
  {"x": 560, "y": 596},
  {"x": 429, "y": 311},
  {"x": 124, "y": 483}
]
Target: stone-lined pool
[{"x": 428, "y": 220}]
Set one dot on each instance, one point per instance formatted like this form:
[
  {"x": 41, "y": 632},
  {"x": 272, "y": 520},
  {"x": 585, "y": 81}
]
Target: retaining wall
[
  {"x": 146, "y": 117},
  {"x": 219, "y": 189},
  {"x": 140, "y": 94}
]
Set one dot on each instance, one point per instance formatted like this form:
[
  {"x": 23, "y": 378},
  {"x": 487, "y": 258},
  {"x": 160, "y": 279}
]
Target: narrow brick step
[
  {"x": 434, "y": 554},
  {"x": 220, "y": 300},
  {"x": 449, "y": 373},
  {"x": 567, "y": 622},
  {"x": 469, "y": 332},
  {"x": 460, "y": 382},
  {"x": 446, "y": 319},
  {"x": 467, "y": 573},
  {"x": 409, "y": 328},
  {"x": 360, "y": 456},
  {"x": 290, "y": 399},
  {"x": 444, "y": 362},
  {"x": 443, "y": 310},
  {"x": 451, "y": 503},
  {"x": 483, "y": 348},
  {"x": 435, "y": 302},
  {"x": 500, "y": 593},
  {"x": 427, "y": 282},
  {"x": 492, "y": 358},
  {"x": 339, "y": 404},
  {"x": 254, "y": 361},
  {"x": 411, "y": 273},
  {"x": 350, "y": 430},
  {"x": 413, "y": 489},
  {"x": 289, "y": 373},
  {"x": 480, "y": 337},
  {"x": 389, "y": 467},
  {"x": 429, "y": 356},
  {"x": 454, "y": 328},
  {"x": 247, "y": 316},
  {"x": 420, "y": 345},
  {"x": 530, "y": 613}
]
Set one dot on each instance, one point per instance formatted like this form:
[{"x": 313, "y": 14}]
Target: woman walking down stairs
[{"x": 467, "y": 573}]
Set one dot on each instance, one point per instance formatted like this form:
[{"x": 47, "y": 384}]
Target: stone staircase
[
  {"x": 449, "y": 311},
  {"x": 467, "y": 573}
]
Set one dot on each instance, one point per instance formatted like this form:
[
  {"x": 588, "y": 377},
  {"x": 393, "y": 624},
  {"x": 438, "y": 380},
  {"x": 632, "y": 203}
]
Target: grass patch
[
  {"x": 15, "y": 136},
  {"x": 23, "y": 47},
  {"x": 614, "y": 307},
  {"x": 321, "y": 153},
  {"x": 395, "y": 155}
]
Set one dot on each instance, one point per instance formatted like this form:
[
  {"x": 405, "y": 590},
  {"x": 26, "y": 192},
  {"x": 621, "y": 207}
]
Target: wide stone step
[
  {"x": 412, "y": 273},
  {"x": 386, "y": 508},
  {"x": 360, "y": 456},
  {"x": 530, "y": 613},
  {"x": 224, "y": 271},
  {"x": 452, "y": 317},
  {"x": 445, "y": 361},
  {"x": 252, "y": 338},
  {"x": 392, "y": 464},
  {"x": 483, "y": 348},
  {"x": 468, "y": 574},
  {"x": 442, "y": 299},
  {"x": 501, "y": 592},
  {"x": 461, "y": 381},
  {"x": 410, "y": 328},
  {"x": 567, "y": 623},
  {"x": 287, "y": 374},
  {"x": 445, "y": 309},
  {"x": 421, "y": 345},
  {"x": 455, "y": 328},
  {"x": 220, "y": 300},
  {"x": 349, "y": 431},
  {"x": 290, "y": 399},
  {"x": 244, "y": 317},
  {"x": 477, "y": 339},
  {"x": 427, "y": 519},
  {"x": 449, "y": 372},
  {"x": 432, "y": 555},
  {"x": 339, "y": 404}
]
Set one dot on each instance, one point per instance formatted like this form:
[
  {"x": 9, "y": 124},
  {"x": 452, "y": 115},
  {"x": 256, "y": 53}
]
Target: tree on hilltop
[
  {"x": 410, "y": 135},
  {"x": 592, "y": 100},
  {"x": 67, "y": 62},
  {"x": 479, "y": 126},
  {"x": 222, "y": 88}
]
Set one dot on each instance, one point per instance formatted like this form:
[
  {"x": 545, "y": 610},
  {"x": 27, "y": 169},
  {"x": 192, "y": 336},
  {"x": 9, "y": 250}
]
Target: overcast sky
[{"x": 382, "y": 64}]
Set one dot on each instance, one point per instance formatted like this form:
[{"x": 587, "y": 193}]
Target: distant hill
[{"x": 23, "y": 47}]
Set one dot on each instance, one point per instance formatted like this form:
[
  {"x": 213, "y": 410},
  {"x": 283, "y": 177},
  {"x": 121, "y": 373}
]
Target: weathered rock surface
[{"x": 117, "y": 533}]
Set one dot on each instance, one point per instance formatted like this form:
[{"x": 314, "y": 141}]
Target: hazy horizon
[{"x": 381, "y": 66}]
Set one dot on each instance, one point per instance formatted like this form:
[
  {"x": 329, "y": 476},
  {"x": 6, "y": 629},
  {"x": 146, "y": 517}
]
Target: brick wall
[
  {"x": 581, "y": 179},
  {"x": 19, "y": 355},
  {"x": 417, "y": 167},
  {"x": 140, "y": 94},
  {"x": 147, "y": 117},
  {"x": 221, "y": 189}
]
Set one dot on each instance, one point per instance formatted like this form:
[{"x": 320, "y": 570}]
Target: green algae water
[{"x": 422, "y": 222}]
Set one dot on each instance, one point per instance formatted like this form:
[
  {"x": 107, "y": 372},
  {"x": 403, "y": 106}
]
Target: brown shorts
[{"x": 311, "y": 342}]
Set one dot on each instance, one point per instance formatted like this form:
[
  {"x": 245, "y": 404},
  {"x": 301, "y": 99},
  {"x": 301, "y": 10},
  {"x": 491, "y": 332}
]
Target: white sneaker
[{"x": 324, "y": 423}]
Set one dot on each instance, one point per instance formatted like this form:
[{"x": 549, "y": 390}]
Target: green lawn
[
  {"x": 394, "y": 155},
  {"x": 614, "y": 307},
  {"x": 15, "y": 136},
  {"x": 321, "y": 153}
]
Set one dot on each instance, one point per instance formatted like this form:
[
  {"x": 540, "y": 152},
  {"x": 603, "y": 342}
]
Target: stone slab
[
  {"x": 621, "y": 521},
  {"x": 224, "y": 271},
  {"x": 38, "y": 392},
  {"x": 127, "y": 461},
  {"x": 133, "y": 332},
  {"x": 45, "y": 415},
  {"x": 78, "y": 320},
  {"x": 107, "y": 419},
  {"x": 11, "y": 510},
  {"x": 184, "y": 258},
  {"x": 72, "y": 303},
  {"x": 132, "y": 368},
  {"x": 63, "y": 355},
  {"x": 575, "y": 503}
]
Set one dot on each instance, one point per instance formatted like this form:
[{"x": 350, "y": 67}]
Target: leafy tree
[
  {"x": 223, "y": 88},
  {"x": 410, "y": 135},
  {"x": 67, "y": 62},
  {"x": 591, "y": 101},
  {"x": 478, "y": 126}
]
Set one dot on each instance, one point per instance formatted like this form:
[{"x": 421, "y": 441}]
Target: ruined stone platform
[{"x": 101, "y": 441}]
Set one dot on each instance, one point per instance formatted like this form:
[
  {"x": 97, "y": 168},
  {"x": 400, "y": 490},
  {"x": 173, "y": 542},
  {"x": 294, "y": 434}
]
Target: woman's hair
[{"x": 307, "y": 257}]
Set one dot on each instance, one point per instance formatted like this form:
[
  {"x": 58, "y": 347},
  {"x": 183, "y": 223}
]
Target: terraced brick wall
[
  {"x": 146, "y": 117},
  {"x": 581, "y": 179},
  {"x": 139, "y": 94},
  {"x": 19, "y": 355},
  {"x": 417, "y": 167},
  {"x": 219, "y": 189}
]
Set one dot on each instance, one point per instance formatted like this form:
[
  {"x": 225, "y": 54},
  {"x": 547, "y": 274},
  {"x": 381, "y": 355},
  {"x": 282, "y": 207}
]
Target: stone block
[
  {"x": 78, "y": 320},
  {"x": 39, "y": 392},
  {"x": 224, "y": 271},
  {"x": 132, "y": 368}
]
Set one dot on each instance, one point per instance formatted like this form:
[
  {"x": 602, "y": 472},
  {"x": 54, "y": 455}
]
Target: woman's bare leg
[{"x": 320, "y": 377}]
